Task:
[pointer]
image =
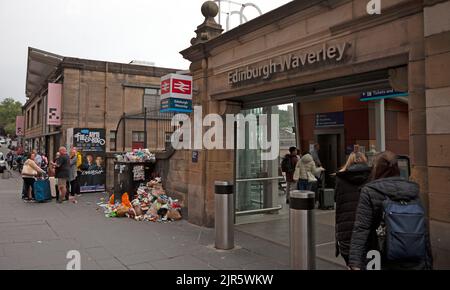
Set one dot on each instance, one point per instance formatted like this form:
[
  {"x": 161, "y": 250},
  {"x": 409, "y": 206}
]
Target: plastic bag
[
  {"x": 126, "y": 200},
  {"x": 122, "y": 211},
  {"x": 174, "y": 214}
]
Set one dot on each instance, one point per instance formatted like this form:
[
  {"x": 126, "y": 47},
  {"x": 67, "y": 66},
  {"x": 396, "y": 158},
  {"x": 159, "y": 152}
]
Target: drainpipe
[{"x": 106, "y": 96}]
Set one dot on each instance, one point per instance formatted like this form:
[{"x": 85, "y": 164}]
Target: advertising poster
[{"x": 92, "y": 145}]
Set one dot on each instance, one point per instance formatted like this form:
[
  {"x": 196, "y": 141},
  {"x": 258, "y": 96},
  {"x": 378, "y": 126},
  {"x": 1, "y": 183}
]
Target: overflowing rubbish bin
[{"x": 128, "y": 176}]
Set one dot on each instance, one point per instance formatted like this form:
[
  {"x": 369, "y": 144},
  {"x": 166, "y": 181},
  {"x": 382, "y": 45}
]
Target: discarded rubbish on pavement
[{"x": 151, "y": 204}]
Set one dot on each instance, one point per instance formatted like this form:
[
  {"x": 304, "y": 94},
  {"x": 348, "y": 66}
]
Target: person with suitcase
[
  {"x": 349, "y": 181},
  {"x": 29, "y": 171}
]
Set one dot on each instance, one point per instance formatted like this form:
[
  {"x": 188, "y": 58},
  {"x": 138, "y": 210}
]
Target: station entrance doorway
[{"x": 335, "y": 119}]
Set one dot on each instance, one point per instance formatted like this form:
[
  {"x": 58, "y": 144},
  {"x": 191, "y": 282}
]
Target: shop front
[{"x": 348, "y": 78}]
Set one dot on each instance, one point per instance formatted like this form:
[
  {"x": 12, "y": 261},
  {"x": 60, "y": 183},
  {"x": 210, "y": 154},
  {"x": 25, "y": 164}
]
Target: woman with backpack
[
  {"x": 390, "y": 219},
  {"x": 349, "y": 181}
]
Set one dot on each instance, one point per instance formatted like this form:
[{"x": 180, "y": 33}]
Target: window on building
[
  {"x": 152, "y": 101},
  {"x": 112, "y": 140},
  {"x": 28, "y": 119},
  {"x": 39, "y": 111},
  {"x": 33, "y": 110},
  {"x": 138, "y": 139}
]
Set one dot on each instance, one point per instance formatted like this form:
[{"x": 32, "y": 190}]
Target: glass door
[{"x": 259, "y": 183}]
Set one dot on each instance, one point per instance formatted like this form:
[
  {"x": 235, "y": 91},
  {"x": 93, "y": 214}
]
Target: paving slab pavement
[{"x": 38, "y": 236}]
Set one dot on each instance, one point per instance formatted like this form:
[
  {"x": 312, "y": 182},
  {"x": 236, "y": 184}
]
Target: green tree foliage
[
  {"x": 9, "y": 109},
  {"x": 286, "y": 119}
]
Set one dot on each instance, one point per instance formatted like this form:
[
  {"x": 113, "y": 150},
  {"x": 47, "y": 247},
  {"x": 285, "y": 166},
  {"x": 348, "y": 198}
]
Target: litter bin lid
[
  {"x": 222, "y": 183},
  {"x": 302, "y": 194}
]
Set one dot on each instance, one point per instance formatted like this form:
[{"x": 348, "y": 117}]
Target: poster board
[{"x": 92, "y": 145}]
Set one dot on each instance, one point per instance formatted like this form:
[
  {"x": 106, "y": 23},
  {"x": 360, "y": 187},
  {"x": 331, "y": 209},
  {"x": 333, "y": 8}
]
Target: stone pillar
[
  {"x": 211, "y": 164},
  {"x": 437, "y": 83}
]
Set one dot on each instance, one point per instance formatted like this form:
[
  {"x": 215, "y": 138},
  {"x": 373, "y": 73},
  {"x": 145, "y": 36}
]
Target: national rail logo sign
[
  {"x": 176, "y": 93},
  {"x": 176, "y": 86}
]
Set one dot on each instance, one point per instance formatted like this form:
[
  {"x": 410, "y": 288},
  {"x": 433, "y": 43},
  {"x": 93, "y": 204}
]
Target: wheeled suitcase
[
  {"x": 42, "y": 191},
  {"x": 326, "y": 196}
]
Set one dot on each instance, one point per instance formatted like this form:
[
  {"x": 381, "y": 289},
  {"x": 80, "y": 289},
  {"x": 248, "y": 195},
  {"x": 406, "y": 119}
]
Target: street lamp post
[{"x": 145, "y": 128}]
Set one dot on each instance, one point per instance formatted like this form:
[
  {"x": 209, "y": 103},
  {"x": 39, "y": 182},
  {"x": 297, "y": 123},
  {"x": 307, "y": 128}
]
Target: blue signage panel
[
  {"x": 176, "y": 105},
  {"x": 333, "y": 119},
  {"x": 381, "y": 94}
]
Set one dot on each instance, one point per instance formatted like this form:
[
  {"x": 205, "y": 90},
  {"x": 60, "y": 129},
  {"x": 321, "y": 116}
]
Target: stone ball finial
[{"x": 210, "y": 9}]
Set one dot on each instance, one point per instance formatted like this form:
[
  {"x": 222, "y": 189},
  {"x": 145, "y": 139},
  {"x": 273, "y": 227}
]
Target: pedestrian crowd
[{"x": 63, "y": 173}]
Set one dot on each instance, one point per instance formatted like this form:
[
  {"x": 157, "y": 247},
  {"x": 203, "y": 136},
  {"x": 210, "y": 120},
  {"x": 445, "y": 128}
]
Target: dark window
[
  {"x": 33, "y": 116},
  {"x": 112, "y": 140},
  {"x": 39, "y": 111},
  {"x": 28, "y": 119}
]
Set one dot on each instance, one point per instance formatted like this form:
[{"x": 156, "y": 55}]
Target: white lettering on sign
[
  {"x": 288, "y": 62},
  {"x": 92, "y": 137}
]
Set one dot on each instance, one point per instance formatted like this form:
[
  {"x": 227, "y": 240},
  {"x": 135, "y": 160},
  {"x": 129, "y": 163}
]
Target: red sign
[
  {"x": 176, "y": 86},
  {"x": 182, "y": 86},
  {"x": 165, "y": 87}
]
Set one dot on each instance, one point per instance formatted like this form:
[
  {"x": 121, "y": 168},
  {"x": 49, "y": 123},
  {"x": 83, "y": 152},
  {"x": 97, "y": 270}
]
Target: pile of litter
[
  {"x": 151, "y": 204},
  {"x": 141, "y": 155}
]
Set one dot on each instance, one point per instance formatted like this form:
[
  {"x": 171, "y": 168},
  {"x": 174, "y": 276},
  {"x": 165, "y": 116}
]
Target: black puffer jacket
[
  {"x": 368, "y": 218},
  {"x": 348, "y": 187}
]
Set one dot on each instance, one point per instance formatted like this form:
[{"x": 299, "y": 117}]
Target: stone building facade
[
  {"x": 407, "y": 47},
  {"x": 95, "y": 94}
]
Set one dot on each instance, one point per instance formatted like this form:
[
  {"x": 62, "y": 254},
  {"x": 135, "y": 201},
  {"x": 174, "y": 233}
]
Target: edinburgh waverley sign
[{"x": 294, "y": 61}]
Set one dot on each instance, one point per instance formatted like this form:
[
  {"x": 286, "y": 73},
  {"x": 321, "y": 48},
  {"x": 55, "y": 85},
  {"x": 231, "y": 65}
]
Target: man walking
[
  {"x": 315, "y": 155},
  {"x": 62, "y": 166}
]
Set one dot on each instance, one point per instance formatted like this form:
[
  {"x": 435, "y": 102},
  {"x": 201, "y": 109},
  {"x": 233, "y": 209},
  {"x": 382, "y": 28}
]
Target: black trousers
[
  {"x": 74, "y": 187},
  {"x": 27, "y": 183}
]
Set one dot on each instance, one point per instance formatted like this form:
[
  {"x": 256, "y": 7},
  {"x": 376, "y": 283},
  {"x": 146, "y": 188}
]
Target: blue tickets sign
[{"x": 381, "y": 94}]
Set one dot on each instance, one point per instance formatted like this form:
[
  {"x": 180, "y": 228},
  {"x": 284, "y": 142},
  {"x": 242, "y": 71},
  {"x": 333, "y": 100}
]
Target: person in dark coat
[
  {"x": 349, "y": 181},
  {"x": 386, "y": 182},
  {"x": 291, "y": 184}
]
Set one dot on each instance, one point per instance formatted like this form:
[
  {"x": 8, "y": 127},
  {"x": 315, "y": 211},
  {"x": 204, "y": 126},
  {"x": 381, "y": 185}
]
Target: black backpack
[{"x": 286, "y": 165}]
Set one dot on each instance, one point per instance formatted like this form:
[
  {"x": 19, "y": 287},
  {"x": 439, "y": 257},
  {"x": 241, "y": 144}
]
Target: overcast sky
[{"x": 112, "y": 30}]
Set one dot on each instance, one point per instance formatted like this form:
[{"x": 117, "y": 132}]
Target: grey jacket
[{"x": 73, "y": 168}]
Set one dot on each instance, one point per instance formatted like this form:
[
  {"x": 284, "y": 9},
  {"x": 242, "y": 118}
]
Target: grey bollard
[
  {"x": 302, "y": 230},
  {"x": 224, "y": 219}
]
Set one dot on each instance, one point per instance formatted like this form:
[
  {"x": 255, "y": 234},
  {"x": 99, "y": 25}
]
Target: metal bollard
[
  {"x": 224, "y": 220},
  {"x": 302, "y": 230}
]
